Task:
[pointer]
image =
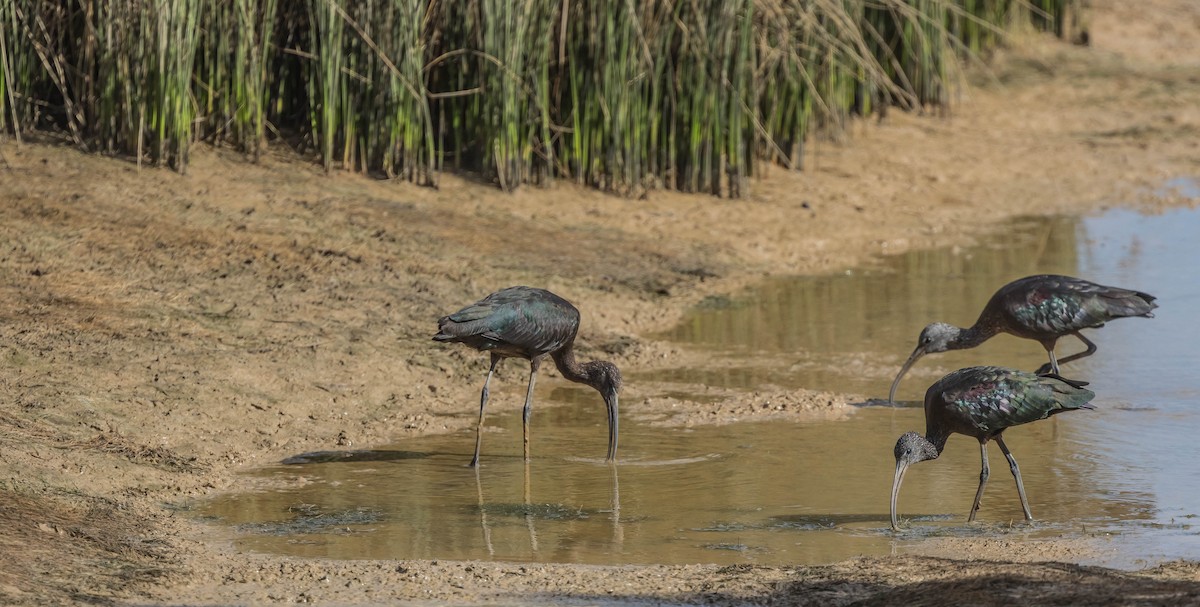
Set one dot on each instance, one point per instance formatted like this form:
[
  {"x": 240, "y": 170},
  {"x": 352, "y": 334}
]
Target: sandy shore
[{"x": 162, "y": 333}]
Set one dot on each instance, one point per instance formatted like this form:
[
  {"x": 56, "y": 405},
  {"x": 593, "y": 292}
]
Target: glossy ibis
[
  {"x": 983, "y": 402},
  {"x": 1042, "y": 308},
  {"x": 530, "y": 323}
]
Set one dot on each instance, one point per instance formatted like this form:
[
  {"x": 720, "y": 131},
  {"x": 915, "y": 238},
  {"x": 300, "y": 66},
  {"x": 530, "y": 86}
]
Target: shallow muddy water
[{"x": 789, "y": 493}]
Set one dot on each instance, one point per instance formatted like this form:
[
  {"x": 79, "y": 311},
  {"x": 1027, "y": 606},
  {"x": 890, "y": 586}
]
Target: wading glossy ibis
[
  {"x": 530, "y": 323},
  {"x": 983, "y": 402},
  {"x": 1042, "y": 308}
]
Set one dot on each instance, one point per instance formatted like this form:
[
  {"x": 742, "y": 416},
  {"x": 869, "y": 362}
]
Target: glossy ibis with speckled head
[
  {"x": 1042, "y": 308},
  {"x": 530, "y": 323},
  {"x": 983, "y": 402}
]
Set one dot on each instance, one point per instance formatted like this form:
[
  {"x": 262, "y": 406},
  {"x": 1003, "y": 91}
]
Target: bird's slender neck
[
  {"x": 937, "y": 437},
  {"x": 572, "y": 369},
  {"x": 972, "y": 336}
]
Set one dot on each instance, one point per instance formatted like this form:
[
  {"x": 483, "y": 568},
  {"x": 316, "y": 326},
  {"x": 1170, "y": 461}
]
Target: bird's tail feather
[
  {"x": 1074, "y": 383},
  {"x": 1132, "y": 303},
  {"x": 1071, "y": 393},
  {"x": 451, "y": 328},
  {"x": 446, "y": 330}
]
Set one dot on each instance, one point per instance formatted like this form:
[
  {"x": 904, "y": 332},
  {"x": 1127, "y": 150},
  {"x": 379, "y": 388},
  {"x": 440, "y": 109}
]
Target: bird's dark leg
[
  {"x": 1052, "y": 366},
  {"x": 533, "y": 367},
  {"x": 1016, "y": 471},
  {"x": 483, "y": 398},
  {"x": 1091, "y": 349},
  {"x": 983, "y": 478}
]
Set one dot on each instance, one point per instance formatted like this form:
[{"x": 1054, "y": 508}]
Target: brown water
[
  {"x": 850, "y": 332},
  {"x": 759, "y": 493},
  {"x": 790, "y": 493}
]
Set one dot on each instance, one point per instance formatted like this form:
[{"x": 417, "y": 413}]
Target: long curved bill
[
  {"x": 912, "y": 358},
  {"x": 611, "y": 403},
  {"x": 899, "y": 478}
]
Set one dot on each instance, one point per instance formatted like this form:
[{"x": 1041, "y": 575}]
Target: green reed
[
  {"x": 623, "y": 95},
  {"x": 232, "y": 72}
]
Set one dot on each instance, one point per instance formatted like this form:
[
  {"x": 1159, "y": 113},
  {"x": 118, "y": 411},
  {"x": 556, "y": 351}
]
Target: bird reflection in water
[{"x": 531, "y": 512}]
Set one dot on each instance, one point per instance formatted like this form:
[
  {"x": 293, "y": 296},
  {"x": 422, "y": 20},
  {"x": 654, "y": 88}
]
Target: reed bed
[{"x": 624, "y": 95}]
